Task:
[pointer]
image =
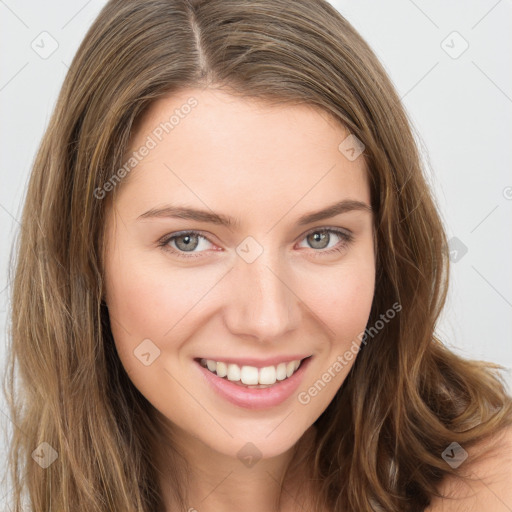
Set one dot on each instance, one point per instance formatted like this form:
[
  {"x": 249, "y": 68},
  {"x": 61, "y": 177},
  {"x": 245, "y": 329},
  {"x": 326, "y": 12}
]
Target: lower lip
[{"x": 255, "y": 398}]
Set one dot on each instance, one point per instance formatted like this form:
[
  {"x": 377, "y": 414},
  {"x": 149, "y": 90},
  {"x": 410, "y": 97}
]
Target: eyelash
[{"x": 347, "y": 239}]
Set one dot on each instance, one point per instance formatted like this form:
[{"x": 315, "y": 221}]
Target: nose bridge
[{"x": 261, "y": 304}]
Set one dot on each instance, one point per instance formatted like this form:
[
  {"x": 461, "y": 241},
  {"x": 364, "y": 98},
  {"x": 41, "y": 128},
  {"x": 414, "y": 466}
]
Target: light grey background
[{"x": 458, "y": 99}]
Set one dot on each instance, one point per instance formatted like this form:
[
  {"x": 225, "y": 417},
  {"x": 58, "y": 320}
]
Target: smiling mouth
[{"x": 251, "y": 376}]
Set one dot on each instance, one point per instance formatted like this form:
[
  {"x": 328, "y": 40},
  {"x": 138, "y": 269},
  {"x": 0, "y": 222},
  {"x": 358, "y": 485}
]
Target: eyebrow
[{"x": 183, "y": 212}]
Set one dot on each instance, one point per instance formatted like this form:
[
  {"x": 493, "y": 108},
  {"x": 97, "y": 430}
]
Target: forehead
[{"x": 209, "y": 146}]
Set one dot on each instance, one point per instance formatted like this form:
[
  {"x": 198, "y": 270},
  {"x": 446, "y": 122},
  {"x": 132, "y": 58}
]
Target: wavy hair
[{"x": 407, "y": 397}]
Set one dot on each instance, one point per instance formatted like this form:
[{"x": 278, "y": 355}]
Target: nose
[{"x": 261, "y": 302}]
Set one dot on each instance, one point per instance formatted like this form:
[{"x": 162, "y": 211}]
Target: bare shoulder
[{"x": 490, "y": 487}]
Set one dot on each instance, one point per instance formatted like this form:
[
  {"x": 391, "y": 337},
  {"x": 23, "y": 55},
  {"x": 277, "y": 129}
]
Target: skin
[
  {"x": 266, "y": 166},
  {"x": 488, "y": 469}
]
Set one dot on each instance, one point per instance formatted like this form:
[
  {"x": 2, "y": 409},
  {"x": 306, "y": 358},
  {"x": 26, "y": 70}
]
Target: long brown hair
[{"x": 406, "y": 398}]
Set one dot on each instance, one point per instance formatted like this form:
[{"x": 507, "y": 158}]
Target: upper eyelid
[
  {"x": 166, "y": 239},
  {"x": 327, "y": 228}
]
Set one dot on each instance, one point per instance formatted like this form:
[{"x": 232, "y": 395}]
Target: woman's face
[{"x": 217, "y": 252}]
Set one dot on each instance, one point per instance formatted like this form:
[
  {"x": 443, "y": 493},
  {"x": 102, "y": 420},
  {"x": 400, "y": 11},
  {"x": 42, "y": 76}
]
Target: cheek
[
  {"x": 148, "y": 304},
  {"x": 146, "y": 299},
  {"x": 342, "y": 298},
  {"x": 343, "y": 307}
]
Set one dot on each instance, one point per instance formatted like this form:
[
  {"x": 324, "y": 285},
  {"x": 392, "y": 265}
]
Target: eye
[
  {"x": 320, "y": 238},
  {"x": 184, "y": 243}
]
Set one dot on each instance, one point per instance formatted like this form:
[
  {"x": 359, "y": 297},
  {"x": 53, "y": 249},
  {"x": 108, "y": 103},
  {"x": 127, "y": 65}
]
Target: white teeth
[
  {"x": 233, "y": 372},
  {"x": 250, "y": 375},
  {"x": 268, "y": 375},
  {"x": 222, "y": 369},
  {"x": 281, "y": 371}
]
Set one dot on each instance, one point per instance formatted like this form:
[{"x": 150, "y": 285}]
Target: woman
[{"x": 228, "y": 280}]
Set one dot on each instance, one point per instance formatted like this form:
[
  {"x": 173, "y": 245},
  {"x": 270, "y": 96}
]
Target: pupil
[
  {"x": 185, "y": 242},
  {"x": 319, "y": 236}
]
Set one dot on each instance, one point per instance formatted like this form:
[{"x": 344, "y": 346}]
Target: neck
[{"x": 215, "y": 482}]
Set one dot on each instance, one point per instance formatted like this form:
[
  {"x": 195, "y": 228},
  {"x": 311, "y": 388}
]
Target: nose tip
[{"x": 262, "y": 305}]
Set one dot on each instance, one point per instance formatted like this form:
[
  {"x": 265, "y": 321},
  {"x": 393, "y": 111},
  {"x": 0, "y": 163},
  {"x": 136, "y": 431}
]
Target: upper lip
[{"x": 258, "y": 363}]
